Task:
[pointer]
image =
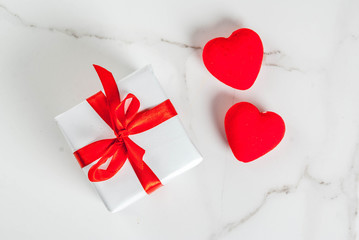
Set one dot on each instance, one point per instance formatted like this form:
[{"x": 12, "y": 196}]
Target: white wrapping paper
[{"x": 169, "y": 151}]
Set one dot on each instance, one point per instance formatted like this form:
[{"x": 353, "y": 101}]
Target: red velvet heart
[
  {"x": 235, "y": 60},
  {"x": 250, "y": 133}
]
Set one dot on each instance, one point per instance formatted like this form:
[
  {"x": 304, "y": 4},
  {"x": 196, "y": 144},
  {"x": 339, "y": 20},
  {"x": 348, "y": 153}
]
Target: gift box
[{"x": 128, "y": 138}]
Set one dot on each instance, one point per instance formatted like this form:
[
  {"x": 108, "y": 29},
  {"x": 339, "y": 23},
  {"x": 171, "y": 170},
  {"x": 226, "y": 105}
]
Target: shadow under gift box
[{"x": 169, "y": 151}]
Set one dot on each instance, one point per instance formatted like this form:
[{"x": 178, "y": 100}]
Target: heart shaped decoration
[
  {"x": 250, "y": 133},
  {"x": 235, "y": 60}
]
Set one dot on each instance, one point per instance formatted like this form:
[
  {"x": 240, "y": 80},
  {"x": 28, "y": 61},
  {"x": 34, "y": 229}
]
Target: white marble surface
[{"x": 307, "y": 188}]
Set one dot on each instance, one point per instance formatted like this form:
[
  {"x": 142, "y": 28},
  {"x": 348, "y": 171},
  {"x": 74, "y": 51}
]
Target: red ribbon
[{"x": 124, "y": 122}]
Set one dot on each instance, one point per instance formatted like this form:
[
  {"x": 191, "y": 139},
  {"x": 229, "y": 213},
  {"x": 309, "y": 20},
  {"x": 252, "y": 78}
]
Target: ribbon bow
[{"x": 124, "y": 121}]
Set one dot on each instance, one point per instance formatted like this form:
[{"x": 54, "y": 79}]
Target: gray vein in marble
[
  {"x": 285, "y": 189},
  {"x": 275, "y": 52},
  {"x": 280, "y": 54},
  {"x": 315, "y": 180},
  {"x": 179, "y": 44},
  {"x": 349, "y": 187},
  {"x": 66, "y": 31},
  {"x": 289, "y": 69},
  {"x": 187, "y": 98},
  {"x": 72, "y": 33}
]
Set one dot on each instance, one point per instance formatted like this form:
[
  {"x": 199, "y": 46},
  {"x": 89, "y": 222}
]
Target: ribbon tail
[
  {"x": 118, "y": 153},
  {"x": 99, "y": 103},
  {"x": 146, "y": 176},
  {"x": 112, "y": 95}
]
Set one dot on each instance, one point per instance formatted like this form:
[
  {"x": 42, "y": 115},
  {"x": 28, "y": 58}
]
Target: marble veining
[{"x": 307, "y": 188}]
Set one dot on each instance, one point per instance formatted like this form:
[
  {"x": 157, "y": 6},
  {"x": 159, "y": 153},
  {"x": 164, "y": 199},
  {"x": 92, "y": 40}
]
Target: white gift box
[{"x": 169, "y": 151}]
